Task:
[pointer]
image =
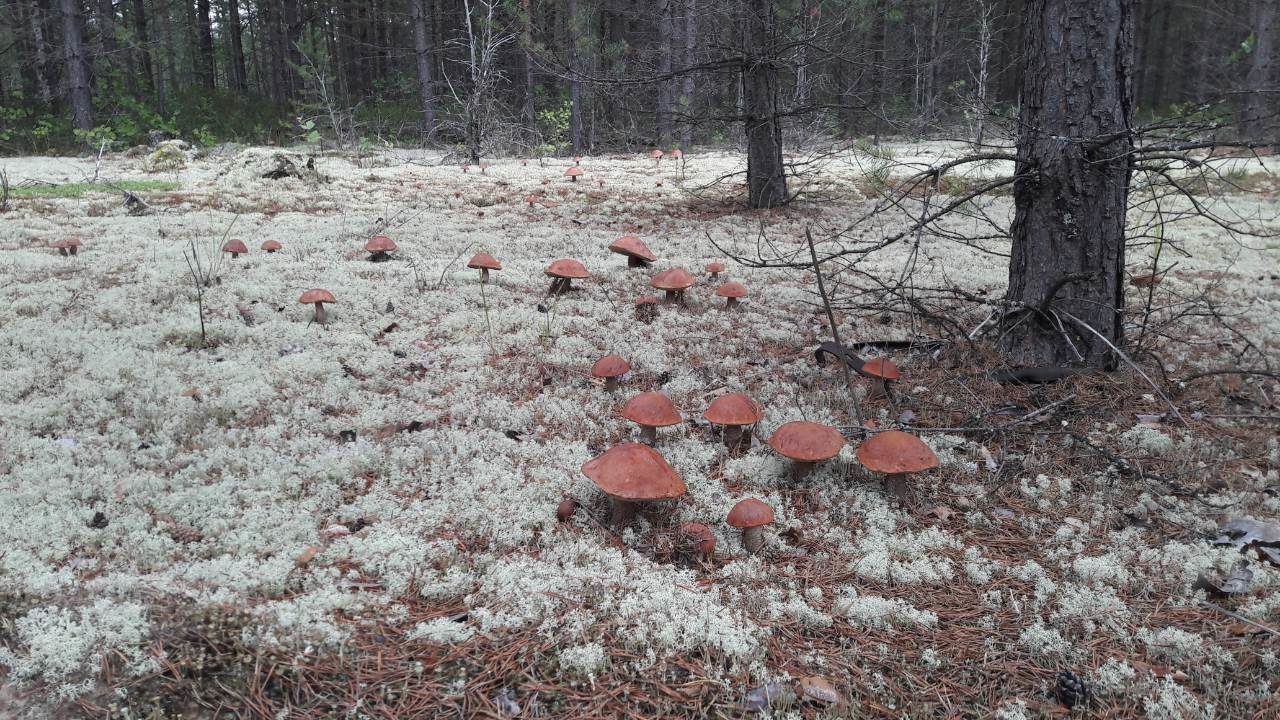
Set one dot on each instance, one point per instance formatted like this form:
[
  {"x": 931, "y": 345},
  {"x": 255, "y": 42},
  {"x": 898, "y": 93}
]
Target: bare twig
[{"x": 831, "y": 318}]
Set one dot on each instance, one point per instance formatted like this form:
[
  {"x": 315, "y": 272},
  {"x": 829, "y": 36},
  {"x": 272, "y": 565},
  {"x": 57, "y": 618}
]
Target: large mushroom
[
  {"x": 573, "y": 173},
  {"x": 737, "y": 413},
  {"x": 564, "y": 272},
  {"x": 484, "y": 262},
  {"x": 610, "y": 368},
  {"x": 236, "y": 248},
  {"x": 806, "y": 443},
  {"x": 633, "y": 473},
  {"x": 318, "y": 297},
  {"x": 673, "y": 282},
  {"x": 715, "y": 268},
  {"x": 732, "y": 292},
  {"x": 68, "y": 245},
  {"x": 750, "y": 516},
  {"x": 378, "y": 247},
  {"x": 638, "y": 254},
  {"x": 651, "y": 411},
  {"x": 895, "y": 454}
]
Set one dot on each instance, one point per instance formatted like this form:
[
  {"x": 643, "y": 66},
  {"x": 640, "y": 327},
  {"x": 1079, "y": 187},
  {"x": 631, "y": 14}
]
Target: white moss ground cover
[{"x": 216, "y": 468}]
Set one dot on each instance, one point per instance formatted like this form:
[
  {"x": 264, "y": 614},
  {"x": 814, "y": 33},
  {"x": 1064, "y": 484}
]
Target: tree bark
[
  {"x": 1069, "y": 216},
  {"x": 575, "y": 27},
  {"x": 204, "y": 43},
  {"x": 766, "y": 174},
  {"x": 143, "y": 44},
  {"x": 41, "y": 64},
  {"x": 1261, "y": 102},
  {"x": 422, "y": 51},
  {"x": 77, "y": 68},
  {"x": 666, "y": 27},
  {"x": 239, "y": 75},
  {"x": 690, "y": 59},
  {"x": 107, "y": 34},
  {"x": 527, "y": 110}
]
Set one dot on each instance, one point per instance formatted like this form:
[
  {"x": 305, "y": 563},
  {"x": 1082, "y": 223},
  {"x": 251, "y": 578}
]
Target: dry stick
[
  {"x": 1172, "y": 408},
  {"x": 1240, "y": 617},
  {"x": 831, "y": 318}
]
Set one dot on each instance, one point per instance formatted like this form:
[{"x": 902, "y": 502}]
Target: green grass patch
[{"x": 75, "y": 190}]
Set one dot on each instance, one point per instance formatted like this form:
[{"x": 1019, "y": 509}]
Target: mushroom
[
  {"x": 656, "y": 154},
  {"x": 750, "y": 516},
  {"x": 378, "y": 247},
  {"x": 895, "y": 454},
  {"x": 714, "y": 269},
  {"x": 882, "y": 370},
  {"x": 484, "y": 262},
  {"x": 317, "y": 297},
  {"x": 733, "y": 292},
  {"x": 611, "y": 368},
  {"x": 806, "y": 443},
  {"x": 651, "y": 411},
  {"x": 737, "y": 413},
  {"x": 271, "y": 246},
  {"x": 674, "y": 282},
  {"x": 68, "y": 246},
  {"x": 700, "y": 537},
  {"x": 638, "y": 254},
  {"x": 573, "y": 173},
  {"x": 565, "y": 271},
  {"x": 676, "y": 154},
  {"x": 577, "y": 160},
  {"x": 633, "y": 473},
  {"x": 566, "y": 509},
  {"x": 236, "y": 248},
  {"x": 531, "y": 199},
  {"x": 646, "y": 308}
]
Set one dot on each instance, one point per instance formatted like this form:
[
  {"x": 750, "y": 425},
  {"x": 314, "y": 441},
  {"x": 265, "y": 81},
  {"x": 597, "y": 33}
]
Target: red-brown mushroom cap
[
  {"x": 634, "y": 472},
  {"x": 610, "y": 366},
  {"x": 807, "y": 441},
  {"x": 317, "y": 295},
  {"x": 235, "y": 246},
  {"x": 880, "y": 368},
  {"x": 655, "y": 153},
  {"x": 651, "y": 409},
  {"x": 732, "y": 289},
  {"x": 567, "y": 268},
  {"x": 484, "y": 261},
  {"x": 67, "y": 242},
  {"x": 573, "y": 171},
  {"x": 733, "y": 409},
  {"x": 271, "y": 245},
  {"x": 647, "y": 300},
  {"x": 633, "y": 247},
  {"x": 676, "y": 154},
  {"x": 673, "y": 279},
  {"x": 715, "y": 267},
  {"x": 380, "y": 243},
  {"x": 894, "y": 452},
  {"x": 750, "y": 513}
]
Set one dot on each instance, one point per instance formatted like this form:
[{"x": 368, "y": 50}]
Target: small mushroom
[
  {"x": 806, "y": 443},
  {"x": 656, "y": 154},
  {"x": 378, "y": 247},
  {"x": 732, "y": 292},
  {"x": 236, "y": 248},
  {"x": 882, "y": 371},
  {"x": 633, "y": 473},
  {"x": 564, "y": 272},
  {"x": 673, "y": 282},
  {"x": 271, "y": 246},
  {"x": 750, "y": 516},
  {"x": 737, "y": 413},
  {"x": 318, "y": 297},
  {"x": 573, "y": 173},
  {"x": 611, "y": 368},
  {"x": 646, "y": 308},
  {"x": 566, "y": 509},
  {"x": 484, "y": 262},
  {"x": 676, "y": 154},
  {"x": 651, "y": 411},
  {"x": 714, "y": 269},
  {"x": 638, "y": 254},
  {"x": 700, "y": 537},
  {"x": 896, "y": 454},
  {"x": 68, "y": 246}
]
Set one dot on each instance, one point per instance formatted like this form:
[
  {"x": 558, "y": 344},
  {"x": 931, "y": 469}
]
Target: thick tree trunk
[
  {"x": 575, "y": 87},
  {"x": 41, "y": 64},
  {"x": 239, "y": 75},
  {"x": 1069, "y": 216},
  {"x": 143, "y": 44},
  {"x": 204, "y": 43},
  {"x": 107, "y": 34},
  {"x": 1262, "y": 102},
  {"x": 690, "y": 59},
  {"x": 292, "y": 55},
  {"x": 766, "y": 174},
  {"x": 422, "y": 51},
  {"x": 527, "y": 110},
  {"x": 77, "y": 68}
]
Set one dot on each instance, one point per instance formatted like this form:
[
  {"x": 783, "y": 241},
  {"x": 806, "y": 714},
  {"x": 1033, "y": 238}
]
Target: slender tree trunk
[
  {"x": 292, "y": 55},
  {"x": 1262, "y": 102},
  {"x": 665, "y": 86},
  {"x": 239, "y": 75},
  {"x": 107, "y": 35},
  {"x": 527, "y": 110},
  {"x": 575, "y": 26},
  {"x": 690, "y": 59},
  {"x": 143, "y": 48},
  {"x": 766, "y": 174},
  {"x": 1069, "y": 217},
  {"x": 422, "y": 52},
  {"x": 41, "y": 65},
  {"x": 985, "y": 10},
  {"x": 204, "y": 42},
  {"x": 801, "y": 97},
  {"x": 77, "y": 67}
]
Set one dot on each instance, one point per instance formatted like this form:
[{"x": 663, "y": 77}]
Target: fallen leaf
[
  {"x": 768, "y": 695},
  {"x": 307, "y": 556},
  {"x": 819, "y": 689},
  {"x": 1237, "y": 583},
  {"x": 940, "y": 512}
]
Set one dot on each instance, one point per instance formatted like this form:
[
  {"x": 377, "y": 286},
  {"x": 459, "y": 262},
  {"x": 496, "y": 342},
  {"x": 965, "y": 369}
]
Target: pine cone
[{"x": 1071, "y": 690}]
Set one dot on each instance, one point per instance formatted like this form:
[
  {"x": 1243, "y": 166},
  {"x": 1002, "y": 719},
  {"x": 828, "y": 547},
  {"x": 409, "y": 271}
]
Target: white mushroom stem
[
  {"x": 753, "y": 539},
  {"x": 484, "y": 275},
  {"x": 320, "y": 313},
  {"x": 621, "y": 510}
]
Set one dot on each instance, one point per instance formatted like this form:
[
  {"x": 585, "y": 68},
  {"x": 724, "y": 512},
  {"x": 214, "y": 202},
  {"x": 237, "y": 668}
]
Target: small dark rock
[
  {"x": 99, "y": 520},
  {"x": 347, "y": 436}
]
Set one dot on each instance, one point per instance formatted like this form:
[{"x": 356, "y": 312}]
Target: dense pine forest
[{"x": 544, "y": 77}]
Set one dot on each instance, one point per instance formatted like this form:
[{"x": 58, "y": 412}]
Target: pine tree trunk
[
  {"x": 690, "y": 59},
  {"x": 292, "y": 54},
  {"x": 77, "y": 68},
  {"x": 575, "y": 87},
  {"x": 1261, "y": 102},
  {"x": 204, "y": 39},
  {"x": 766, "y": 175},
  {"x": 527, "y": 110},
  {"x": 143, "y": 45},
  {"x": 239, "y": 75},
  {"x": 41, "y": 64},
  {"x": 422, "y": 52},
  {"x": 1069, "y": 217},
  {"x": 665, "y": 85},
  {"x": 107, "y": 35}
]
